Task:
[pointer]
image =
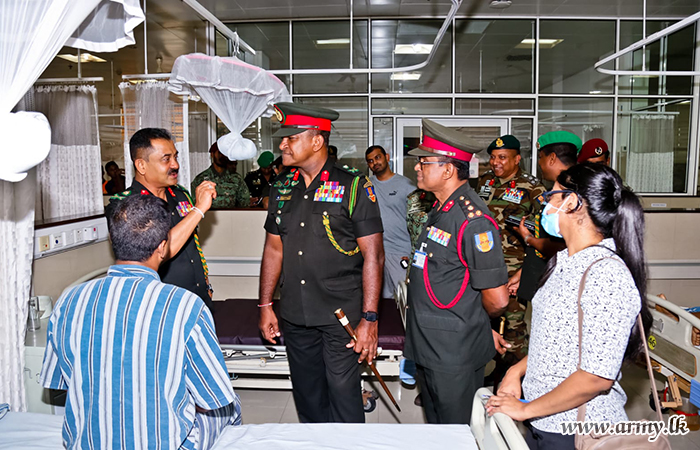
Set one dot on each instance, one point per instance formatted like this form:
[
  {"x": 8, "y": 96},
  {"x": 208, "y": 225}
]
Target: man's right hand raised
[
  {"x": 205, "y": 194},
  {"x": 269, "y": 327}
]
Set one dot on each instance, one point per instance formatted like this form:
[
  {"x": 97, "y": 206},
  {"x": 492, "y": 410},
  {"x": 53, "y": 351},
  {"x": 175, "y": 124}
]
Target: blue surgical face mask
[{"x": 550, "y": 220}]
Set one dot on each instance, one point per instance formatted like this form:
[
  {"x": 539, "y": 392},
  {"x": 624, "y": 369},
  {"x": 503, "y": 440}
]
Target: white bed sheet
[
  {"x": 337, "y": 436},
  {"x": 31, "y": 431}
]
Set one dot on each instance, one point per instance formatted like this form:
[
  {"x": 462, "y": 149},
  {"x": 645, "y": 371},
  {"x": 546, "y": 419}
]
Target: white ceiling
[{"x": 238, "y": 10}]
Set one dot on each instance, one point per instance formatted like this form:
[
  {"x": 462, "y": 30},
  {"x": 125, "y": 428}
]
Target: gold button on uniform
[
  {"x": 301, "y": 224},
  {"x": 306, "y": 197},
  {"x": 430, "y": 255},
  {"x": 303, "y": 281},
  {"x": 300, "y": 253}
]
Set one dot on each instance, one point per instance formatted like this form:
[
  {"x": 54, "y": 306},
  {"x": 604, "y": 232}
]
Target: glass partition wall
[{"x": 536, "y": 74}]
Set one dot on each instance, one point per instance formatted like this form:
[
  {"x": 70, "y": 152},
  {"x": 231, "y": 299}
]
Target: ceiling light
[
  {"x": 336, "y": 41},
  {"x": 84, "y": 58},
  {"x": 500, "y": 4},
  {"x": 595, "y": 92},
  {"x": 544, "y": 43},
  {"x": 406, "y": 76},
  {"x": 413, "y": 49}
]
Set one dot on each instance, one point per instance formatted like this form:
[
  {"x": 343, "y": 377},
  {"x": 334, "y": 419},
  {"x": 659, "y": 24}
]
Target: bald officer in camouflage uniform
[
  {"x": 324, "y": 236},
  {"x": 508, "y": 191},
  {"x": 457, "y": 281}
]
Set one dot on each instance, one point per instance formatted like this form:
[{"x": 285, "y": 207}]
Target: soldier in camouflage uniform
[
  {"x": 231, "y": 190},
  {"x": 419, "y": 203},
  {"x": 508, "y": 191}
]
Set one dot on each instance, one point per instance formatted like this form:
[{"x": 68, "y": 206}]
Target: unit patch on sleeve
[
  {"x": 329, "y": 191},
  {"x": 440, "y": 236},
  {"x": 484, "y": 241}
]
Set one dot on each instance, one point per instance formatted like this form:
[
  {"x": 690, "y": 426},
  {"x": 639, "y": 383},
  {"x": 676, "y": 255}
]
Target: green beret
[
  {"x": 559, "y": 137},
  {"x": 508, "y": 142},
  {"x": 265, "y": 159},
  {"x": 445, "y": 141},
  {"x": 296, "y": 118}
]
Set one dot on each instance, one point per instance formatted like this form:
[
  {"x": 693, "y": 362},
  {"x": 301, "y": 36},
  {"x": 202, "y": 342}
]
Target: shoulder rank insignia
[
  {"x": 350, "y": 169},
  {"x": 484, "y": 241}
]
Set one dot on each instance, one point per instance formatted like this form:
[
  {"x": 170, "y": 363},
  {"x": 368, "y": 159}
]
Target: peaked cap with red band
[
  {"x": 439, "y": 140},
  {"x": 296, "y": 118}
]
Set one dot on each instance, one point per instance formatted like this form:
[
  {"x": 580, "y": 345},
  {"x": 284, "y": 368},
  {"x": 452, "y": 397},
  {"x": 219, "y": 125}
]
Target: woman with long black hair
[{"x": 602, "y": 223}]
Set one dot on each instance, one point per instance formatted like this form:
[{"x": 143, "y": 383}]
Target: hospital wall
[{"x": 233, "y": 243}]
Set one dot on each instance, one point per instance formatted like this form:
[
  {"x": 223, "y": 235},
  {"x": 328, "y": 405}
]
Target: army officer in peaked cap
[
  {"x": 324, "y": 236},
  {"x": 457, "y": 281}
]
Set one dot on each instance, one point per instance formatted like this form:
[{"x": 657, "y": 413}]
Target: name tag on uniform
[
  {"x": 284, "y": 198},
  {"x": 440, "y": 236},
  {"x": 330, "y": 191},
  {"x": 513, "y": 195},
  {"x": 183, "y": 208},
  {"x": 419, "y": 259}
]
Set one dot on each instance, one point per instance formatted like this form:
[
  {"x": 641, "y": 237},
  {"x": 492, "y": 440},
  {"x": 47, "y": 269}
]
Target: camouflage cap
[
  {"x": 439, "y": 140},
  {"x": 265, "y": 159},
  {"x": 296, "y": 118},
  {"x": 559, "y": 137},
  {"x": 508, "y": 142}
]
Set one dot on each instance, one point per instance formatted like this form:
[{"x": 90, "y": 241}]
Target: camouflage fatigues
[
  {"x": 419, "y": 203},
  {"x": 517, "y": 196},
  {"x": 231, "y": 190}
]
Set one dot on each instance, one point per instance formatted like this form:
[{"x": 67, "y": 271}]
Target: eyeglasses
[
  {"x": 425, "y": 163},
  {"x": 547, "y": 196}
]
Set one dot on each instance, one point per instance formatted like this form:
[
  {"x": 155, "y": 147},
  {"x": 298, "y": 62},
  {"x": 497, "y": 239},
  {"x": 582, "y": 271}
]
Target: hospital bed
[
  {"x": 672, "y": 351},
  {"x": 253, "y": 363},
  {"x": 32, "y": 431}
]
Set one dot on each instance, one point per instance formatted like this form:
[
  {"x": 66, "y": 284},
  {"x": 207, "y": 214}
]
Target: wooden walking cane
[{"x": 346, "y": 324}]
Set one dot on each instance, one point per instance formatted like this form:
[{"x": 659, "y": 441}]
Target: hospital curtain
[
  {"x": 31, "y": 34},
  {"x": 199, "y": 143},
  {"x": 150, "y": 104},
  {"x": 16, "y": 255},
  {"x": 650, "y": 158},
  {"x": 70, "y": 179}
]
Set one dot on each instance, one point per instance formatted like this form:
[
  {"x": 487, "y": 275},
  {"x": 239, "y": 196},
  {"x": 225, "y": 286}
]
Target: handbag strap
[{"x": 581, "y": 415}]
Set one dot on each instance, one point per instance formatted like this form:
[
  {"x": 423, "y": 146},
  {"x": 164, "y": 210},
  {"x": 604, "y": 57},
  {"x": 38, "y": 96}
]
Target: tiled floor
[{"x": 264, "y": 406}]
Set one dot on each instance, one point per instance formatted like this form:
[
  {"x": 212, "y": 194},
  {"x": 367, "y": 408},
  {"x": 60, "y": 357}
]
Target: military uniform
[
  {"x": 518, "y": 196},
  {"x": 231, "y": 190},
  {"x": 419, "y": 203},
  {"x": 187, "y": 269},
  {"x": 448, "y": 332},
  {"x": 257, "y": 183},
  {"x": 322, "y": 270}
]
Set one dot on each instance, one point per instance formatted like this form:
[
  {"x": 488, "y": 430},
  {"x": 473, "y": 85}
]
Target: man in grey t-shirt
[{"x": 392, "y": 190}]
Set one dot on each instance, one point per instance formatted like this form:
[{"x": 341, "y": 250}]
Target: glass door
[{"x": 408, "y": 134}]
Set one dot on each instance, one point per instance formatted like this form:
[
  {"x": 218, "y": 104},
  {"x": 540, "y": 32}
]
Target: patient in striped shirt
[{"x": 138, "y": 357}]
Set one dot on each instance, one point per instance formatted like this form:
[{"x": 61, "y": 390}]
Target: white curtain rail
[
  {"x": 445, "y": 25},
  {"x": 648, "y": 40},
  {"x": 223, "y": 29},
  {"x": 69, "y": 80},
  {"x": 146, "y": 76}
]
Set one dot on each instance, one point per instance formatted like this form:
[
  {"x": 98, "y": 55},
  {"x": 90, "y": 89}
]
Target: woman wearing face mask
[{"x": 601, "y": 222}]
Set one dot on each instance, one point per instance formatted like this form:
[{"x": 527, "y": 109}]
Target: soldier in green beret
[
  {"x": 510, "y": 192},
  {"x": 324, "y": 236}
]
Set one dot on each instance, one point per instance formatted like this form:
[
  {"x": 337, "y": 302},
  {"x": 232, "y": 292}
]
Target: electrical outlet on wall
[
  {"x": 55, "y": 241},
  {"x": 44, "y": 243}
]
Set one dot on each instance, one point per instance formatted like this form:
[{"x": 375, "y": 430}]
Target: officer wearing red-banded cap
[
  {"x": 324, "y": 235},
  {"x": 457, "y": 280},
  {"x": 594, "y": 151}
]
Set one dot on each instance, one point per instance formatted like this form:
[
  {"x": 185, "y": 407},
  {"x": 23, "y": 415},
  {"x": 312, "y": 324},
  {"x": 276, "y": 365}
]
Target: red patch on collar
[{"x": 448, "y": 205}]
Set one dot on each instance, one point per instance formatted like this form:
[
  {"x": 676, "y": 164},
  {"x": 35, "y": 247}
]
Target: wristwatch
[{"x": 370, "y": 316}]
